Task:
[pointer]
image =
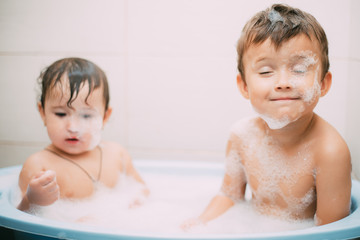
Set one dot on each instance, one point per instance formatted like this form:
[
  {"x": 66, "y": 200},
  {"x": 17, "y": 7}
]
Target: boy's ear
[
  {"x": 326, "y": 84},
  {"x": 242, "y": 86},
  {"x": 42, "y": 112},
  {"x": 107, "y": 115}
]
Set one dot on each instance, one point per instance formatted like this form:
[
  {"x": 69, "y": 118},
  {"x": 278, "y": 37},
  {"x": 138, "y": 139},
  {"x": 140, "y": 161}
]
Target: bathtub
[{"x": 26, "y": 226}]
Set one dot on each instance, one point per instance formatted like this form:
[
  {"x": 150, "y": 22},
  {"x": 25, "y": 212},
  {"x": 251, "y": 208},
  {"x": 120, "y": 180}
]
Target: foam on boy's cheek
[
  {"x": 314, "y": 91},
  {"x": 301, "y": 70},
  {"x": 310, "y": 94}
]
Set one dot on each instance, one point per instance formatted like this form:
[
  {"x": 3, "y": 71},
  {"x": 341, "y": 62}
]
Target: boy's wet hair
[
  {"x": 78, "y": 71},
  {"x": 280, "y": 23}
]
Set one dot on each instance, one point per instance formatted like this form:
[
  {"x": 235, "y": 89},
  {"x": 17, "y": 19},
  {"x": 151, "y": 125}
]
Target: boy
[
  {"x": 296, "y": 164},
  {"x": 74, "y": 107}
]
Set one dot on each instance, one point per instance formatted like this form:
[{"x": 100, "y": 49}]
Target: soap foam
[
  {"x": 276, "y": 168},
  {"x": 275, "y": 123},
  {"x": 275, "y": 17},
  {"x": 308, "y": 58},
  {"x": 170, "y": 203},
  {"x": 315, "y": 91}
]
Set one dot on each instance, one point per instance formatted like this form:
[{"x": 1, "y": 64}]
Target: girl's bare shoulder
[
  {"x": 38, "y": 160},
  {"x": 112, "y": 147}
]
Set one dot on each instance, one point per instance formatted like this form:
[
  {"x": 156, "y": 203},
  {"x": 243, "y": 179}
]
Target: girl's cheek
[{"x": 95, "y": 130}]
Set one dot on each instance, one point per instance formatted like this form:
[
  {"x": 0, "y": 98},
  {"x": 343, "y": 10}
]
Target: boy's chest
[{"x": 281, "y": 178}]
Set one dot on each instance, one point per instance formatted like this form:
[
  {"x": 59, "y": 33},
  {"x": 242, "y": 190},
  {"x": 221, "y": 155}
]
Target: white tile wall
[
  {"x": 353, "y": 116},
  {"x": 189, "y": 104},
  {"x": 19, "y": 119},
  {"x": 62, "y": 26},
  {"x": 332, "y": 107},
  {"x": 187, "y": 28},
  {"x": 353, "y": 102},
  {"x": 354, "y": 27},
  {"x": 171, "y": 67}
]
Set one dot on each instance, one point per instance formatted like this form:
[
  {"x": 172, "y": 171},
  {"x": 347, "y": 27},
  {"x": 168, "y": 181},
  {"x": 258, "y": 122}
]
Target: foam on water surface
[{"x": 173, "y": 199}]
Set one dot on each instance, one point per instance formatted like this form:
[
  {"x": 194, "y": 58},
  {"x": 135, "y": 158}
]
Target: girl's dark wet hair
[
  {"x": 78, "y": 71},
  {"x": 281, "y": 23}
]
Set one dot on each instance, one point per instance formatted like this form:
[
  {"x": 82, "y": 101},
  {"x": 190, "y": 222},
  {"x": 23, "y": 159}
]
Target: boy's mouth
[{"x": 284, "y": 99}]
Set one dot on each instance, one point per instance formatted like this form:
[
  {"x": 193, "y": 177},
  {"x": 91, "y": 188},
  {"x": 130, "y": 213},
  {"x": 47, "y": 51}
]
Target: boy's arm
[
  {"x": 333, "y": 184},
  {"x": 217, "y": 206},
  {"x": 232, "y": 189}
]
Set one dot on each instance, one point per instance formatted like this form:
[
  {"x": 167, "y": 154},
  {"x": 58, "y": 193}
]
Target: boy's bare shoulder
[
  {"x": 244, "y": 126},
  {"x": 246, "y": 129},
  {"x": 330, "y": 146}
]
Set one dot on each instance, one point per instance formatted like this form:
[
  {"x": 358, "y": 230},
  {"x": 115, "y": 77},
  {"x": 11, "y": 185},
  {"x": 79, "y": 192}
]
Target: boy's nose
[{"x": 283, "y": 83}]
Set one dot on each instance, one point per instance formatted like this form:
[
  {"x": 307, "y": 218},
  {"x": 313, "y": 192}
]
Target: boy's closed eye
[
  {"x": 299, "y": 69},
  {"x": 265, "y": 71}
]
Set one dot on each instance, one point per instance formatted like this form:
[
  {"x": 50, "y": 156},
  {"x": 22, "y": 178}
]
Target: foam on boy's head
[
  {"x": 275, "y": 17},
  {"x": 280, "y": 23},
  {"x": 76, "y": 72}
]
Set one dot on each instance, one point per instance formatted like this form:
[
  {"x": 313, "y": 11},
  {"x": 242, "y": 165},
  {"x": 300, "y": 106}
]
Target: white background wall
[{"x": 171, "y": 65}]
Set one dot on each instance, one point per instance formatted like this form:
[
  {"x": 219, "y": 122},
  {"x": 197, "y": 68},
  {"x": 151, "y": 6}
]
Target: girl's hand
[{"x": 43, "y": 189}]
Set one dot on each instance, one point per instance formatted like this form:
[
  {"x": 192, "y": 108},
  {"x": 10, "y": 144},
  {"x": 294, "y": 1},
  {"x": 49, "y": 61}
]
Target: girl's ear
[
  {"x": 42, "y": 112},
  {"x": 242, "y": 86},
  {"x": 107, "y": 115},
  {"x": 326, "y": 84}
]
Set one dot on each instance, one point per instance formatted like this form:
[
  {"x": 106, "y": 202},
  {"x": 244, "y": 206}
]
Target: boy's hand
[
  {"x": 191, "y": 223},
  {"x": 43, "y": 189},
  {"x": 140, "y": 199}
]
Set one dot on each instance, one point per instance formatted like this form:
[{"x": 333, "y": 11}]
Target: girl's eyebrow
[
  {"x": 58, "y": 106},
  {"x": 88, "y": 109}
]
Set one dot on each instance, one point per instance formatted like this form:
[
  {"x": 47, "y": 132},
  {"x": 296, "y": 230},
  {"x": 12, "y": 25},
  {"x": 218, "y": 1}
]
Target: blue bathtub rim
[{"x": 12, "y": 218}]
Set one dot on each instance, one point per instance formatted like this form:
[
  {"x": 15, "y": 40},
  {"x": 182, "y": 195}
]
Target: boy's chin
[
  {"x": 274, "y": 123},
  {"x": 279, "y": 122}
]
